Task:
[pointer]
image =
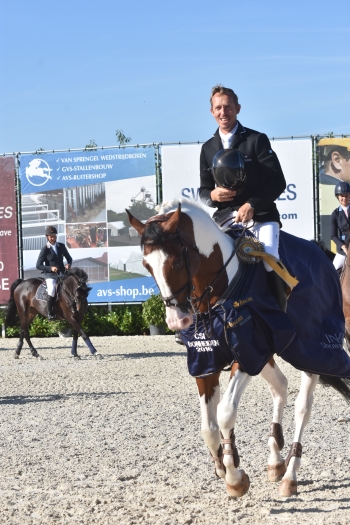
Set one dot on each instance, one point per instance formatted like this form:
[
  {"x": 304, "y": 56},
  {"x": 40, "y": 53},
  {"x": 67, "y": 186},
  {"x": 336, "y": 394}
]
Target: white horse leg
[
  {"x": 209, "y": 397},
  {"x": 277, "y": 383},
  {"x": 303, "y": 405},
  {"x": 237, "y": 481}
]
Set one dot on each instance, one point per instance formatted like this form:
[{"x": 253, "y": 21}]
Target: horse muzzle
[{"x": 178, "y": 319}]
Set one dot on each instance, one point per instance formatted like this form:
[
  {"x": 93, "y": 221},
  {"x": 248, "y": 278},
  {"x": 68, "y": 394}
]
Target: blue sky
[{"x": 77, "y": 70}]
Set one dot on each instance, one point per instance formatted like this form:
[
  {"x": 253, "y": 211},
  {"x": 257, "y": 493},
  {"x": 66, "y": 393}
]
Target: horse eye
[{"x": 177, "y": 263}]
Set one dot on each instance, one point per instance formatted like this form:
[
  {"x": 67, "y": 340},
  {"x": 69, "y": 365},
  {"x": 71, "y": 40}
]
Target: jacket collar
[{"x": 240, "y": 133}]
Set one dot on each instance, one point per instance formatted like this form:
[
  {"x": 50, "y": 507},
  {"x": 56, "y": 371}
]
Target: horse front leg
[
  {"x": 75, "y": 345},
  {"x": 277, "y": 383},
  {"x": 237, "y": 481},
  {"x": 303, "y": 405},
  {"x": 84, "y": 336},
  {"x": 209, "y": 397}
]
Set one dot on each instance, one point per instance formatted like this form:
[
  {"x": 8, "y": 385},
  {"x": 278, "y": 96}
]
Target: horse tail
[
  {"x": 11, "y": 312},
  {"x": 341, "y": 385}
]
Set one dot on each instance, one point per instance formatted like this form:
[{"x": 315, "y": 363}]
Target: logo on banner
[{"x": 38, "y": 172}]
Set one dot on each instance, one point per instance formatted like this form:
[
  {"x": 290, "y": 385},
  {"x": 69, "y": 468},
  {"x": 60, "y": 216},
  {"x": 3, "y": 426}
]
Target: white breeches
[
  {"x": 338, "y": 261},
  {"x": 50, "y": 285},
  {"x": 268, "y": 234}
]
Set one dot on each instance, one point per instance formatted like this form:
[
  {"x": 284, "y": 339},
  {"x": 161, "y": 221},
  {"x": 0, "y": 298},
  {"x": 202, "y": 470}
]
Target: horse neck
[{"x": 214, "y": 246}]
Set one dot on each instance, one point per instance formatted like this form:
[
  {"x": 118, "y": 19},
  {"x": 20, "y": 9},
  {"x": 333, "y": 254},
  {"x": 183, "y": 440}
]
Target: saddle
[{"x": 41, "y": 293}]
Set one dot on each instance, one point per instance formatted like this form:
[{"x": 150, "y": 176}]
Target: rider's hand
[
  {"x": 222, "y": 194},
  {"x": 245, "y": 213},
  {"x": 344, "y": 248},
  {"x": 67, "y": 266},
  {"x": 54, "y": 269}
]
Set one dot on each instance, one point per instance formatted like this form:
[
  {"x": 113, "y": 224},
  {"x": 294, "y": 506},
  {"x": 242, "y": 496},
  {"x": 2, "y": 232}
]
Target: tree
[
  {"x": 121, "y": 138},
  {"x": 91, "y": 146}
]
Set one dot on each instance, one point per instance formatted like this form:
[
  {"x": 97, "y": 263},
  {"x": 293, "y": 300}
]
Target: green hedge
[{"x": 121, "y": 320}]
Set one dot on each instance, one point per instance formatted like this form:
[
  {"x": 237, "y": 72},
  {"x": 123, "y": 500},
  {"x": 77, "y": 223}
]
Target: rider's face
[
  {"x": 51, "y": 238},
  {"x": 344, "y": 199},
  {"x": 225, "y": 112}
]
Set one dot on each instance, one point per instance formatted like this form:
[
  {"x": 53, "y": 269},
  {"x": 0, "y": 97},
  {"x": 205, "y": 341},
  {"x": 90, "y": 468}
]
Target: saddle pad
[{"x": 41, "y": 293}]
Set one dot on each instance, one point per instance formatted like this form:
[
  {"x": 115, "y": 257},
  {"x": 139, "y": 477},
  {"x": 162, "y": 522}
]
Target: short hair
[{"x": 221, "y": 90}]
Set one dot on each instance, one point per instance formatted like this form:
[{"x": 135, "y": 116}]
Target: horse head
[
  {"x": 76, "y": 290},
  {"x": 183, "y": 255}
]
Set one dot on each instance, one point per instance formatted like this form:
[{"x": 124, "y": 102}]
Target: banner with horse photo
[
  {"x": 84, "y": 196},
  {"x": 334, "y": 167},
  {"x": 8, "y": 229}
]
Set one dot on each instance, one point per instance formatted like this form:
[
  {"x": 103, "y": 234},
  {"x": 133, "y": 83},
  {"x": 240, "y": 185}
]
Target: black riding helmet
[
  {"x": 50, "y": 230},
  {"x": 228, "y": 170},
  {"x": 341, "y": 187}
]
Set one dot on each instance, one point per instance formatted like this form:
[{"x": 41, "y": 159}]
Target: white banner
[{"x": 180, "y": 173}]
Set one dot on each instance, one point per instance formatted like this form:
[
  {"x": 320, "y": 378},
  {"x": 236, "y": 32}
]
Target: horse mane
[
  {"x": 78, "y": 272},
  {"x": 82, "y": 276}
]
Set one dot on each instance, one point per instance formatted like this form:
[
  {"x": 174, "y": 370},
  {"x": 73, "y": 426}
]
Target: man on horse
[
  {"x": 256, "y": 177},
  {"x": 50, "y": 261}
]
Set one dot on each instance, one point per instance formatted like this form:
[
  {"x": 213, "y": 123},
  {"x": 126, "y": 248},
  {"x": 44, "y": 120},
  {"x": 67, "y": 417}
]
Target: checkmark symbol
[
  {"x": 58, "y": 178},
  {"x": 57, "y": 160},
  {"x": 58, "y": 169}
]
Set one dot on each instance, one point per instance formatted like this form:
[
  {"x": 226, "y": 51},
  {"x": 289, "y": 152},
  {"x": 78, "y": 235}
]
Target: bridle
[
  {"x": 192, "y": 302},
  {"x": 189, "y": 285}
]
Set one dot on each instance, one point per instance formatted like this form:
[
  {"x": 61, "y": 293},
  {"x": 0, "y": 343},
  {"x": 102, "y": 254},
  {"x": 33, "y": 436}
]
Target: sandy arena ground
[{"x": 117, "y": 441}]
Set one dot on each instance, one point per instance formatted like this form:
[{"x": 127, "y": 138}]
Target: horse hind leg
[
  {"x": 237, "y": 481},
  {"x": 19, "y": 345},
  {"x": 25, "y": 331},
  {"x": 277, "y": 384},
  {"x": 303, "y": 406}
]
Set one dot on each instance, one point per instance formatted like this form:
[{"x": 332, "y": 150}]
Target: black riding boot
[
  {"x": 50, "y": 313},
  {"x": 278, "y": 288}
]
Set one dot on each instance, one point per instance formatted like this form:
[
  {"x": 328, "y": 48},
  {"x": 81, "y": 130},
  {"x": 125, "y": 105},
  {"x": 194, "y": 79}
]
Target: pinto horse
[
  {"x": 71, "y": 306},
  {"x": 193, "y": 262}
]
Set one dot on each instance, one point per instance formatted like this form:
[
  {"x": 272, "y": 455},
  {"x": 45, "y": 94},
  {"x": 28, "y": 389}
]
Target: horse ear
[
  {"x": 171, "y": 225},
  {"x": 135, "y": 223}
]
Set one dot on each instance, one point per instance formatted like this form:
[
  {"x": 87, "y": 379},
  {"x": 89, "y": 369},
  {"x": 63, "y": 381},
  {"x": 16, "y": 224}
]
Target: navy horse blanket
[{"x": 249, "y": 327}]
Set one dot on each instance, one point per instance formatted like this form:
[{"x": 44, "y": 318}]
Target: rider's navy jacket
[
  {"x": 48, "y": 258},
  {"x": 340, "y": 228},
  {"x": 265, "y": 179}
]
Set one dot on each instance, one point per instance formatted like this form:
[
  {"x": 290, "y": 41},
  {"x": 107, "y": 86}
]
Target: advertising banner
[
  {"x": 8, "y": 228},
  {"x": 84, "y": 195},
  {"x": 334, "y": 167},
  {"x": 180, "y": 174}
]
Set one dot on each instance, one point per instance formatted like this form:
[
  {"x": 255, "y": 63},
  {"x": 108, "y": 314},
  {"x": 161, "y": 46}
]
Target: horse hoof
[
  {"x": 276, "y": 472},
  {"x": 77, "y": 357},
  {"x": 237, "y": 491},
  {"x": 288, "y": 488},
  {"x": 98, "y": 356},
  {"x": 16, "y": 356}
]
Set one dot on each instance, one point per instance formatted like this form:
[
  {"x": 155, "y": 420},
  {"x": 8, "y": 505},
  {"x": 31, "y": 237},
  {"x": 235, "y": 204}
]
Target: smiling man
[{"x": 263, "y": 178}]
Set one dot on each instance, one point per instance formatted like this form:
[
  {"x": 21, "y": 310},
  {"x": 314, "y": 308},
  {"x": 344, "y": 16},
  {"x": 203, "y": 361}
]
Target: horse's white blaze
[{"x": 175, "y": 318}]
